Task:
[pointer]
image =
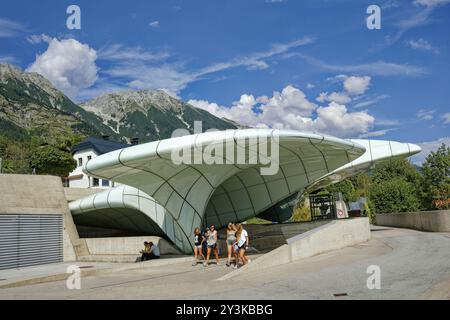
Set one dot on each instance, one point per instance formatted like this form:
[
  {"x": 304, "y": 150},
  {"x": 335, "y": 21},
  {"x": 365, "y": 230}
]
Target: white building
[{"x": 85, "y": 151}]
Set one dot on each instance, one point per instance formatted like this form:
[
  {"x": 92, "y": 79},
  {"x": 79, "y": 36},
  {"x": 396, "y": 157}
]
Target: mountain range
[{"x": 31, "y": 106}]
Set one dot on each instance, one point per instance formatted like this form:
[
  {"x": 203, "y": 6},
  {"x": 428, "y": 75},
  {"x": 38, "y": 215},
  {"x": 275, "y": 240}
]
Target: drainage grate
[{"x": 343, "y": 294}]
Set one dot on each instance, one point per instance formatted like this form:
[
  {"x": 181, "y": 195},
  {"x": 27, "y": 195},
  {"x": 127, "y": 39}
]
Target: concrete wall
[
  {"x": 127, "y": 245},
  {"x": 335, "y": 235},
  {"x": 434, "y": 221},
  {"x": 35, "y": 194},
  {"x": 267, "y": 237}
]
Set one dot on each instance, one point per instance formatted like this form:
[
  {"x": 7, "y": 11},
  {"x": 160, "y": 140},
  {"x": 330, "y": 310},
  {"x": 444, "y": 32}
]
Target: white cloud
[
  {"x": 154, "y": 24},
  {"x": 290, "y": 109},
  {"x": 39, "y": 38},
  {"x": 309, "y": 86},
  {"x": 336, "y": 120},
  {"x": 446, "y": 117},
  {"x": 142, "y": 76},
  {"x": 431, "y": 3},
  {"x": 387, "y": 122},
  {"x": 425, "y": 114},
  {"x": 118, "y": 52},
  {"x": 140, "y": 69},
  {"x": 356, "y": 85},
  {"x": 337, "y": 97},
  {"x": 378, "y": 68},
  {"x": 428, "y": 147},
  {"x": 389, "y": 4},
  {"x": 377, "y": 133},
  {"x": 8, "y": 59},
  {"x": 68, "y": 64},
  {"x": 423, "y": 45},
  {"x": 9, "y": 28},
  {"x": 256, "y": 60},
  {"x": 418, "y": 19},
  {"x": 371, "y": 100},
  {"x": 353, "y": 86}
]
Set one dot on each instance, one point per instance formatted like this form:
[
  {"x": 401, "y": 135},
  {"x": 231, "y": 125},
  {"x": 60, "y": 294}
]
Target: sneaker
[
  {"x": 235, "y": 266},
  {"x": 194, "y": 264},
  {"x": 205, "y": 264},
  {"x": 228, "y": 264}
]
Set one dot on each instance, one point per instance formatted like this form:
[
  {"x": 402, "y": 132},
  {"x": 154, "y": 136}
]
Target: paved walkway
[
  {"x": 47, "y": 270},
  {"x": 59, "y": 271},
  {"x": 413, "y": 264}
]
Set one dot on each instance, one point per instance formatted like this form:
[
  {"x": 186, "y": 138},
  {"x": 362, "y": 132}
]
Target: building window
[
  {"x": 95, "y": 182},
  {"x": 89, "y": 157},
  {"x": 80, "y": 162},
  {"x": 105, "y": 183}
]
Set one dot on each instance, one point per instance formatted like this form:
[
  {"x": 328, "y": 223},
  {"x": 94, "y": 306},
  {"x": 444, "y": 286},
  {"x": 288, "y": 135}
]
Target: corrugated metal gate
[{"x": 28, "y": 239}]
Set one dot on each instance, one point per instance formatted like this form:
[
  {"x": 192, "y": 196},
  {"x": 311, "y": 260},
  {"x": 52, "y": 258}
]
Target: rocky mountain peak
[{"x": 117, "y": 105}]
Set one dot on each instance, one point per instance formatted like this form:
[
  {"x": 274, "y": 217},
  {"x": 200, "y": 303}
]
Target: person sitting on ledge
[
  {"x": 145, "y": 252},
  {"x": 151, "y": 251}
]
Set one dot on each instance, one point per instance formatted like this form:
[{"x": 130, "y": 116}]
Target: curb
[
  {"x": 94, "y": 272},
  {"x": 52, "y": 278}
]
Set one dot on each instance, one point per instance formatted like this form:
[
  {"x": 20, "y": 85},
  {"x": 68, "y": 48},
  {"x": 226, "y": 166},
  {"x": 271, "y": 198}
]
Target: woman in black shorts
[{"x": 198, "y": 242}]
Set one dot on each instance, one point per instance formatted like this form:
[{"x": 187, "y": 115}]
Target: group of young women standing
[{"x": 237, "y": 245}]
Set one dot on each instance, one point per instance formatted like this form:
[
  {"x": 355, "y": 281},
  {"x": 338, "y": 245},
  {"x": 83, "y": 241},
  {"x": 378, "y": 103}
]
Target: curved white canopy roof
[
  {"x": 192, "y": 195},
  {"x": 377, "y": 152}
]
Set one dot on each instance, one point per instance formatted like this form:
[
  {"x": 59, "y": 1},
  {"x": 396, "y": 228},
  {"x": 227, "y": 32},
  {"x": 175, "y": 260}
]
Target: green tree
[
  {"x": 436, "y": 179},
  {"x": 395, "y": 187},
  {"x": 396, "y": 195},
  {"x": 347, "y": 188},
  {"x": 14, "y": 156},
  {"x": 51, "y": 160},
  {"x": 396, "y": 169}
]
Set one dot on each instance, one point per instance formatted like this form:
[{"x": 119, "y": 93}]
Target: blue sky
[{"x": 306, "y": 65}]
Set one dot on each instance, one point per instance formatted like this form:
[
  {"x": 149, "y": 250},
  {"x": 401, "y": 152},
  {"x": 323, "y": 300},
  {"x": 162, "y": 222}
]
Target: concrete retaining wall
[
  {"x": 334, "y": 235},
  {"x": 35, "y": 194},
  {"x": 434, "y": 221},
  {"x": 127, "y": 245}
]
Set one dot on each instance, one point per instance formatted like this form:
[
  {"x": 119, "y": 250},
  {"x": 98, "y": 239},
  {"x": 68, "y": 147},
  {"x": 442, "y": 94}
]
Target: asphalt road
[{"x": 412, "y": 264}]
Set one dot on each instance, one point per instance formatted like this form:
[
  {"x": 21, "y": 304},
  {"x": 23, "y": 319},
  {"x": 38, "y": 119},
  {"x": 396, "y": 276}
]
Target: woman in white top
[{"x": 241, "y": 244}]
